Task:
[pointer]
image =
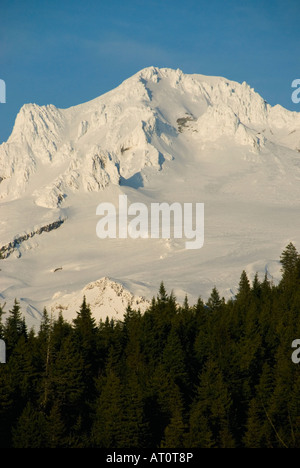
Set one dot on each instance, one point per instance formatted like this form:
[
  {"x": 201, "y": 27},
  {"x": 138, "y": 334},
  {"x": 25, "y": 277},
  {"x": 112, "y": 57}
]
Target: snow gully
[{"x": 163, "y": 220}]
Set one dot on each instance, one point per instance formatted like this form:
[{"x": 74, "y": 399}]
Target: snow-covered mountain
[
  {"x": 105, "y": 297},
  {"x": 161, "y": 136}
]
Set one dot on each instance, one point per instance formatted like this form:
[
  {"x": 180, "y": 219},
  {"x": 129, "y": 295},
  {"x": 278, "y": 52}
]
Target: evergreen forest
[{"x": 215, "y": 374}]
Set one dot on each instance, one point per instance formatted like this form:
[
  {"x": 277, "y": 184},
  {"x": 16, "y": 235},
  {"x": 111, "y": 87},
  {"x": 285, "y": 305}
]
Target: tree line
[{"x": 216, "y": 374}]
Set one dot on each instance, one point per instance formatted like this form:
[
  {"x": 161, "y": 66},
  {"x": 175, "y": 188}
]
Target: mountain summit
[
  {"x": 52, "y": 152},
  {"x": 161, "y": 135}
]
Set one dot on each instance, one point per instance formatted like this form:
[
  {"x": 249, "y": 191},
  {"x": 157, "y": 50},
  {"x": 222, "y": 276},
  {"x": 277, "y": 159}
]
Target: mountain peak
[
  {"x": 160, "y": 136},
  {"x": 133, "y": 127}
]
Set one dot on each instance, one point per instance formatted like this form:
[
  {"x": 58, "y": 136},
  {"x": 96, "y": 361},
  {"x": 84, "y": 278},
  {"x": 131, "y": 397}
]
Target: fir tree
[
  {"x": 210, "y": 414},
  {"x": 244, "y": 288},
  {"x": 85, "y": 340},
  {"x": 289, "y": 260},
  {"x": 162, "y": 296},
  {"x": 214, "y": 302},
  {"x": 30, "y": 429},
  {"x": 109, "y": 424},
  {"x": 8, "y": 412},
  {"x": 55, "y": 429},
  {"x": 15, "y": 327},
  {"x": 175, "y": 431},
  {"x": 173, "y": 359}
]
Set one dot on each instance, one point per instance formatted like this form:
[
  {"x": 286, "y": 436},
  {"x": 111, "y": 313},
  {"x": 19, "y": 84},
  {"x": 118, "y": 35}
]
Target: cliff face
[{"x": 13, "y": 246}]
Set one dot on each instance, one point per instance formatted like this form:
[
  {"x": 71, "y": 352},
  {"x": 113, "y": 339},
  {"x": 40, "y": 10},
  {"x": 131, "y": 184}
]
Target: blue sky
[{"x": 67, "y": 52}]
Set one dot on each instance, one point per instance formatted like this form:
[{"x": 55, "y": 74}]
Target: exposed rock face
[{"x": 8, "y": 249}]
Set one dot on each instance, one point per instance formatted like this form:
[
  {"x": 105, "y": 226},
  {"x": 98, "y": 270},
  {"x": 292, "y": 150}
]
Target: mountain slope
[{"x": 161, "y": 136}]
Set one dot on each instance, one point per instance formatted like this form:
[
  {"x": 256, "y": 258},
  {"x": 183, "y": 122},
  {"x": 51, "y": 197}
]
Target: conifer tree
[
  {"x": 15, "y": 327},
  {"x": 175, "y": 431},
  {"x": 289, "y": 260},
  {"x": 173, "y": 359},
  {"x": 256, "y": 287},
  {"x": 65, "y": 382},
  {"x": 259, "y": 432},
  {"x": 186, "y": 306},
  {"x": 30, "y": 429},
  {"x": 85, "y": 340},
  {"x": 109, "y": 424},
  {"x": 244, "y": 288},
  {"x": 210, "y": 414},
  {"x": 8, "y": 413},
  {"x": 254, "y": 437},
  {"x": 85, "y": 330},
  {"x": 137, "y": 432},
  {"x": 55, "y": 429},
  {"x": 214, "y": 302},
  {"x": 162, "y": 296}
]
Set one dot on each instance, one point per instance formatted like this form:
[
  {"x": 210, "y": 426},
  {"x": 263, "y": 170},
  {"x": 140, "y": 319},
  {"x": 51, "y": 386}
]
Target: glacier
[{"x": 160, "y": 136}]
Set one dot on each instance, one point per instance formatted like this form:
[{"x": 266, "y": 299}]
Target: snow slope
[{"x": 161, "y": 136}]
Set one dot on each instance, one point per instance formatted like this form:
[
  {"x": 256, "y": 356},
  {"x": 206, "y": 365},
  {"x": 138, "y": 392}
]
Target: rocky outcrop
[{"x": 8, "y": 249}]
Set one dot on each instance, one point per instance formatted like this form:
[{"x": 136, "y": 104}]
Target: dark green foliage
[
  {"x": 30, "y": 429},
  {"x": 214, "y": 302},
  {"x": 289, "y": 260},
  {"x": 109, "y": 428},
  {"x": 15, "y": 328},
  {"x": 214, "y": 375},
  {"x": 210, "y": 417}
]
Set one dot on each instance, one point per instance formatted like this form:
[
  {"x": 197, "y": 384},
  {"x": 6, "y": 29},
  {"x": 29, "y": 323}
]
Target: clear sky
[{"x": 69, "y": 51}]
